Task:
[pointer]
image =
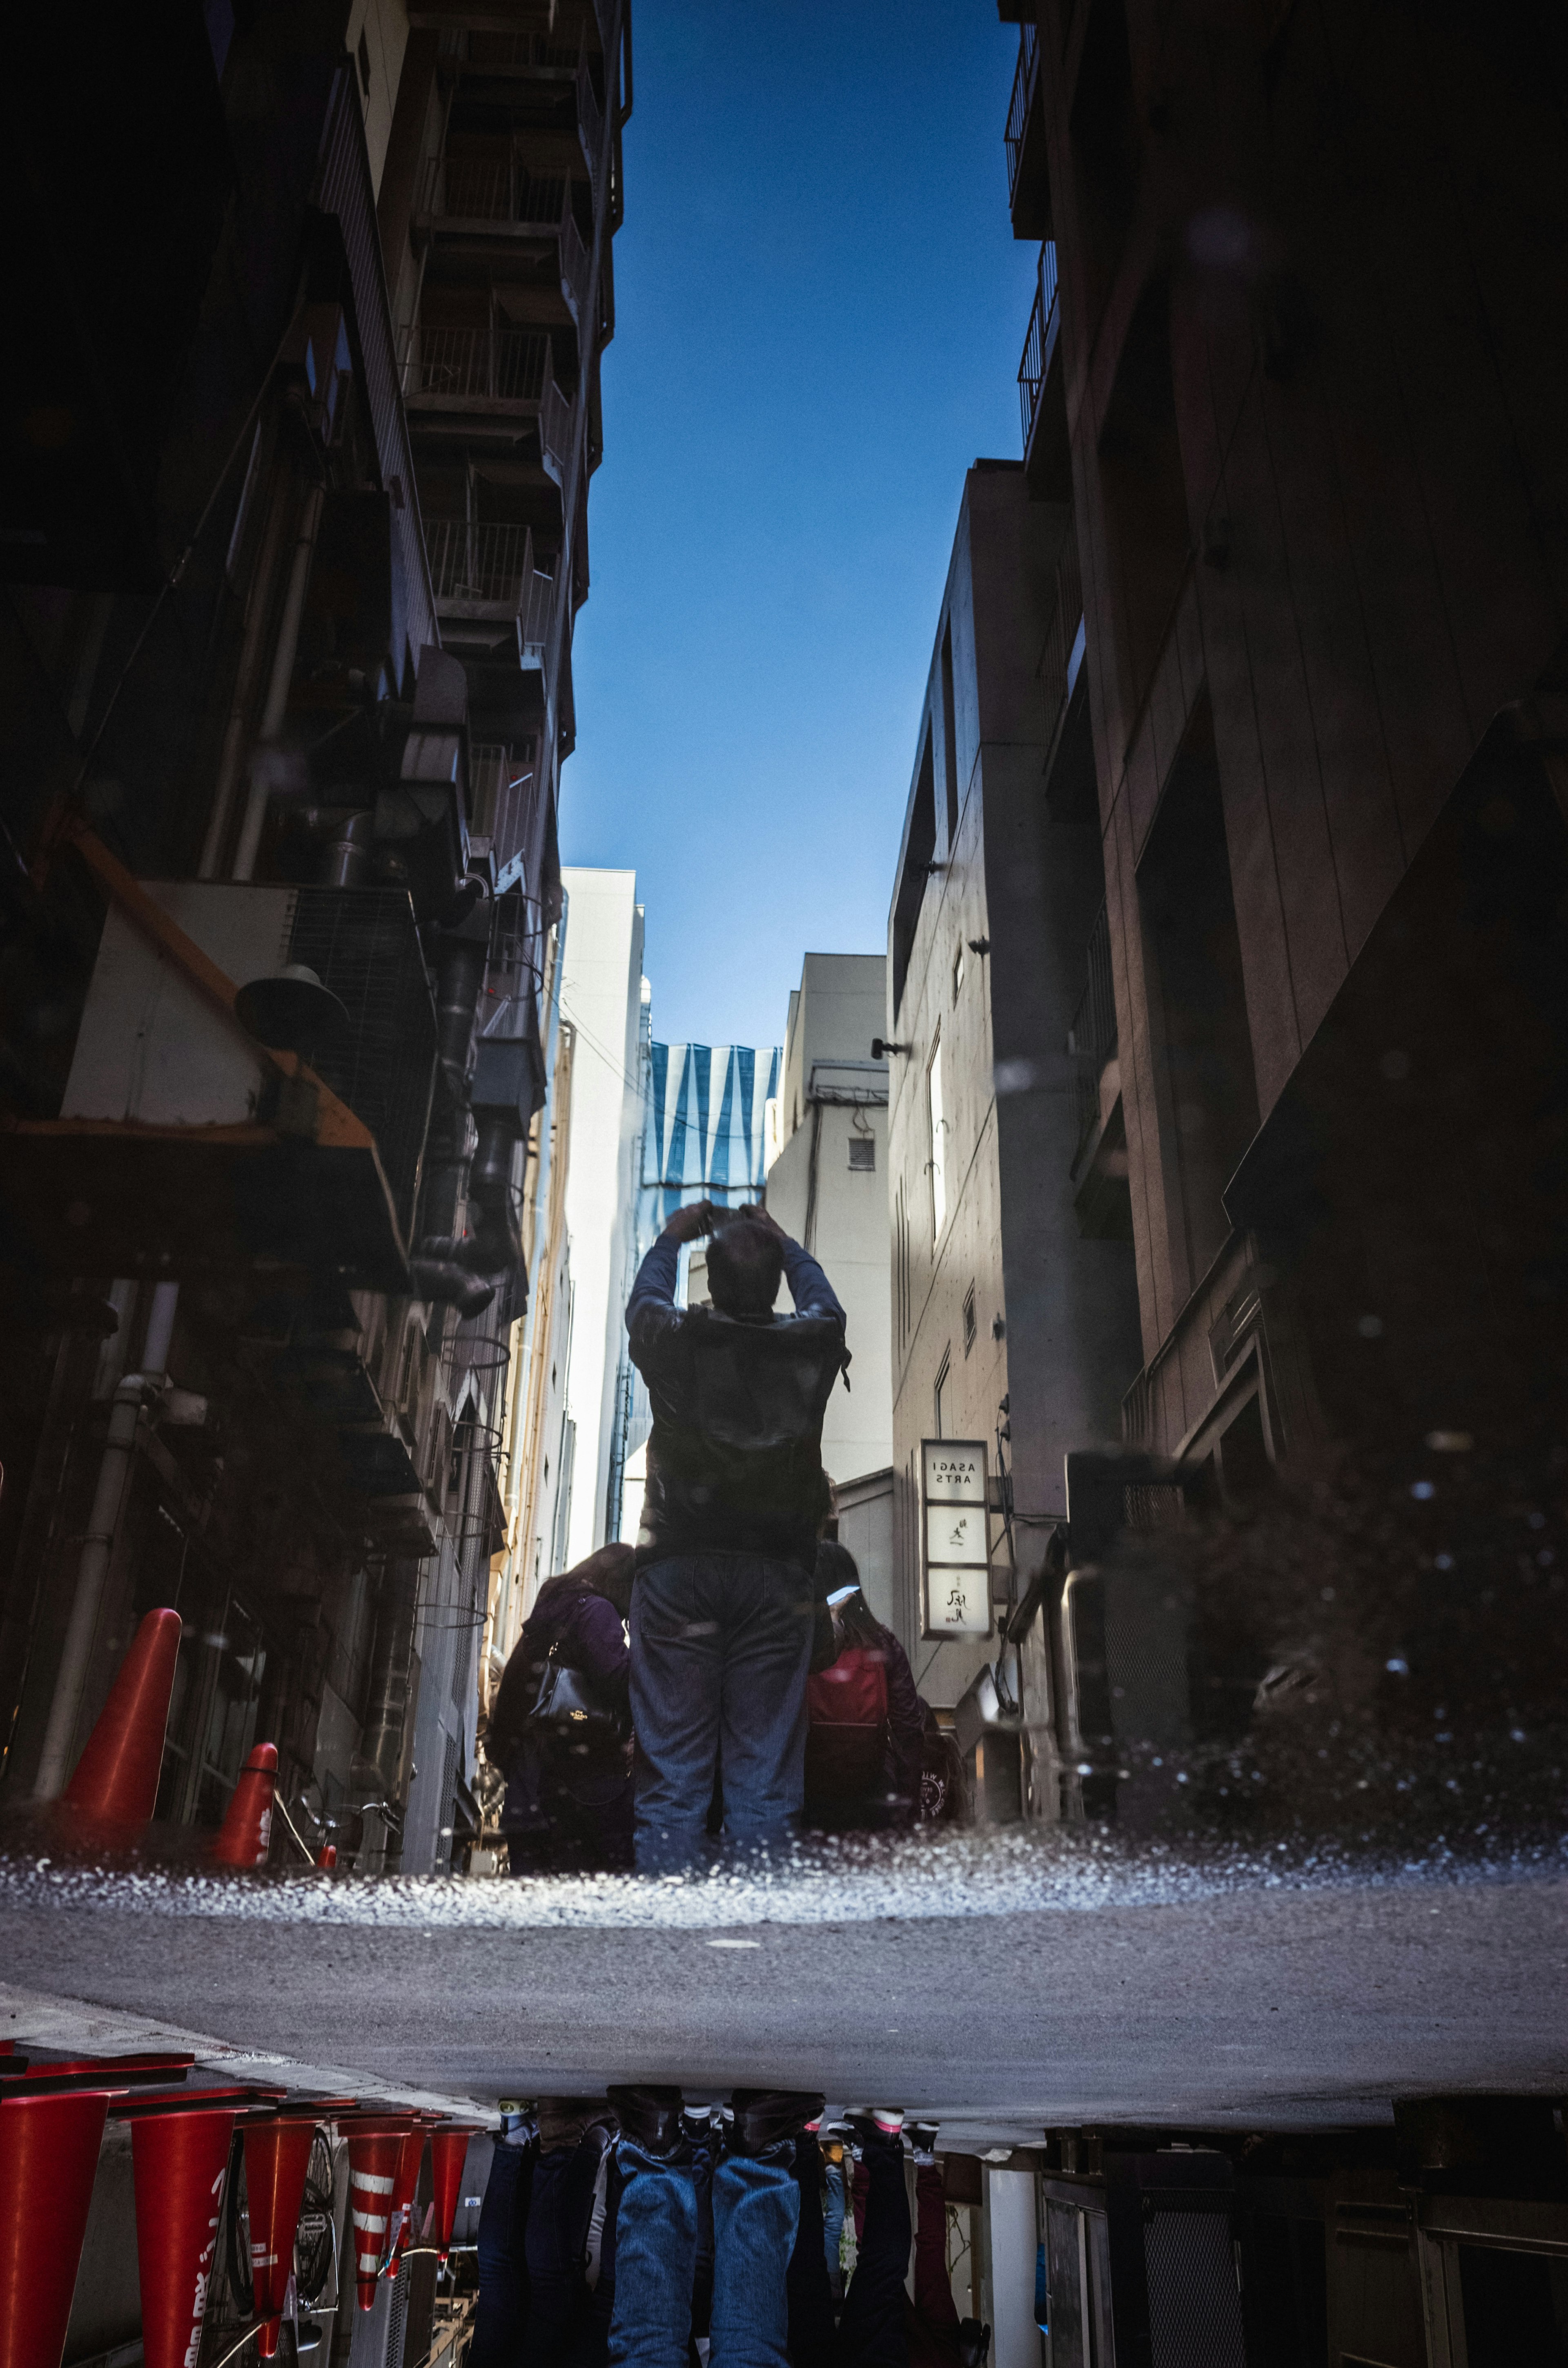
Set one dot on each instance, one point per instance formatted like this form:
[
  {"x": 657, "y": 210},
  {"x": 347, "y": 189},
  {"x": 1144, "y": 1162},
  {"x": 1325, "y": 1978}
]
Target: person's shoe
[
  {"x": 701, "y": 2125},
  {"x": 650, "y": 2117},
  {"x": 765, "y": 2117},
  {"x": 519, "y": 2122},
  {"x": 874, "y": 2122},
  {"x": 921, "y": 2136},
  {"x": 974, "y": 2343}
]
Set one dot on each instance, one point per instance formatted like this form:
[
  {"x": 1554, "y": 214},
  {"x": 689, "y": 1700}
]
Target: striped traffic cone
[
  {"x": 375, "y": 2150},
  {"x": 245, "y": 1834},
  {"x": 178, "y": 2159},
  {"x": 408, "y": 2164}
]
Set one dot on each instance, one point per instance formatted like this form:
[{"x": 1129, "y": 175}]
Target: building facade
[
  {"x": 1287, "y": 365},
  {"x": 1014, "y": 1309},
  {"x": 285, "y": 882},
  {"x": 826, "y": 1185}
]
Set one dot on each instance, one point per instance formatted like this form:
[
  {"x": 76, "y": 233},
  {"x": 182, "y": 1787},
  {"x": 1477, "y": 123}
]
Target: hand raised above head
[
  {"x": 759, "y": 1215},
  {"x": 687, "y": 1224}
]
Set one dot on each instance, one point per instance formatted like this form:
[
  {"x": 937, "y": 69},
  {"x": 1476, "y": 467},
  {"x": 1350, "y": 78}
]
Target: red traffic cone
[
  {"x": 277, "y": 2155},
  {"x": 449, "y": 2153},
  {"x": 116, "y": 1780},
  {"x": 326, "y": 1857},
  {"x": 49, "y": 2155},
  {"x": 177, "y": 2160},
  {"x": 375, "y": 2148},
  {"x": 245, "y": 1835},
  {"x": 407, "y": 2180}
]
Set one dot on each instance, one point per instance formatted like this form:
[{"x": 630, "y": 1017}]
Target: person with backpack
[
  {"x": 722, "y": 1611},
  {"x": 560, "y": 1726},
  {"x": 866, "y": 1739}
]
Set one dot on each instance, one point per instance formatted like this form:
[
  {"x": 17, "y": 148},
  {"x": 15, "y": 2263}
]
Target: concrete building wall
[
  {"x": 601, "y": 998},
  {"x": 833, "y": 1103},
  {"x": 1007, "y": 1315}
]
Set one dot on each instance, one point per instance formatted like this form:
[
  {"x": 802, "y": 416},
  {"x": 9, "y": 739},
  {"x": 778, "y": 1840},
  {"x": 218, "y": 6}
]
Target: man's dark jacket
[{"x": 734, "y": 1461}]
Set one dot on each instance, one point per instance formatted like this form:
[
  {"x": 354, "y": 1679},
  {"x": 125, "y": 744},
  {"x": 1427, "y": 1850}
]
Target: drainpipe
[
  {"x": 98, "y": 1547},
  {"x": 277, "y": 707}
]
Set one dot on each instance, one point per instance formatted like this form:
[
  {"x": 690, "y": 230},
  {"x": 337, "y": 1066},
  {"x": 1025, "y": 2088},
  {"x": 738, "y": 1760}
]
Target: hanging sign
[{"x": 956, "y": 1536}]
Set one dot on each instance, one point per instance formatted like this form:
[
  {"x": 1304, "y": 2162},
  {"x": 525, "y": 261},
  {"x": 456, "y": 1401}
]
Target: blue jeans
[
  {"x": 756, "y": 2207},
  {"x": 721, "y": 1649}
]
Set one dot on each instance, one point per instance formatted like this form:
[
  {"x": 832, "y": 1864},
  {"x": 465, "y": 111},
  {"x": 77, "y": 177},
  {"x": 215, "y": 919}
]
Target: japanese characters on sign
[{"x": 957, "y": 1533}]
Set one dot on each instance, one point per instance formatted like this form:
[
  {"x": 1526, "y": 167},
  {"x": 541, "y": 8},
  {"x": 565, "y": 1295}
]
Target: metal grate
[
  {"x": 1195, "y": 2304},
  {"x": 364, "y": 944}
]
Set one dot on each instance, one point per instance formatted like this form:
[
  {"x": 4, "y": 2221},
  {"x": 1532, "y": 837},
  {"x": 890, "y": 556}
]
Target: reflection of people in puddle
[
  {"x": 721, "y": 1612},
  {"x": 700, "y": 2238}
]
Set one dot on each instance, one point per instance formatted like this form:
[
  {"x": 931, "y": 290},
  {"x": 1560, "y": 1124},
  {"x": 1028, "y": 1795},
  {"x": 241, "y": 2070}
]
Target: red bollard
[
  {"x": 245, "y": 1835},
  {"x": 178, "y": 2161},
  {"x": 449, "y": 2153},
  {"x": 116, "y": 1780},
  {"x": 48, "y": 2155},
  {"x": 277, "y": 2155}
]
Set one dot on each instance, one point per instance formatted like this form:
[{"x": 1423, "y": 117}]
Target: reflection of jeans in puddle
[
  {"x": 810, "y": 2293},
  {"x": 832, "y": 2228},
  {"x": 755, "y": 2210},
  {"x": 501, "y": 2312},
  {"x": 568, "y": 2320}
]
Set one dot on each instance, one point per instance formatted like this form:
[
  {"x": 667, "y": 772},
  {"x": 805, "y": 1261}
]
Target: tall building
[
  {"x": 827, "y": 1186},
  {"x": 1013, "y": 1318},
  {"x": 704, "y": 1138},
  {"x": 294, "y": 535},
  {"x": 604, "y": 998},
  {"x": 1289, "y": 364}
]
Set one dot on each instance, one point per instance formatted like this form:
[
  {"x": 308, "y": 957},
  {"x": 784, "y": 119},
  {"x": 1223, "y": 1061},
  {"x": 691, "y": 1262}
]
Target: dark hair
[
  {"x": 836, "y": 1568},
  {"x": 609, "y": 1573},
  {"x": 745, "y": 1264}
]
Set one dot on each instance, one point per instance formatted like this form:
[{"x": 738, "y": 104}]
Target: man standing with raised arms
[{"x": 721, "y": 1609}]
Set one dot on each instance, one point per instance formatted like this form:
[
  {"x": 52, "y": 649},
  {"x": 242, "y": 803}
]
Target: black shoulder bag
[{"x": 567, "y": 1708}]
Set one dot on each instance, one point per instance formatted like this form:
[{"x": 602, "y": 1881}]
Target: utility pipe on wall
[
  {"x": 97, "y": 1547},
  {"x": 282, "y": 676}
]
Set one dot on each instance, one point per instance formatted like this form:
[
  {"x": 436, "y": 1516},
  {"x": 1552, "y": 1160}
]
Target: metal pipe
[
  {"x": 279, "y": 683},
  {"x": 97, "y": 1547}
]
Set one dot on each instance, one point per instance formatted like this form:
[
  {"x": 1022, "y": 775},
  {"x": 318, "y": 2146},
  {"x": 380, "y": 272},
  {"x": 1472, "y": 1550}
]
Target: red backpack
[{"x": 847, "y": 1739}]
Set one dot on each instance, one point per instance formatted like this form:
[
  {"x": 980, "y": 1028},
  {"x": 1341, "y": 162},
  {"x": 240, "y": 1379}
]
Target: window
[
  {"x": 920, "y": 846},
  {"x": 939, "y": 1395},
  {"x": 958, "y": 970},
  {"x": 939, "y": 1145},
  {"x": 863, "y": 1154},
  {"x": 968, "y": 1319},
  {"x": 364, "y": 57}
]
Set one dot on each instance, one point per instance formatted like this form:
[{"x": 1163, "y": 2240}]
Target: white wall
[
  {"x": 601, "y": 985},
  {"x": 1014, "y": 2229},
  {"x": 834, "y": 1014}
]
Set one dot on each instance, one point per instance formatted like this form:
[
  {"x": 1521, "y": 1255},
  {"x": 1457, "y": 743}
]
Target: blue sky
[{"x": 819, "y": 312}]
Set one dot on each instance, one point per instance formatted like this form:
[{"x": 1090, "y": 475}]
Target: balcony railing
[
  {"x": 494, "y": 189},
  {"x": 555, "y": 430},
  {"x": 1036, "y": 337},
  {"x": 1018, "y": 105},
  {"x": 1092, "y": 1038},
  {"x": 514, "y": 53},
  {"x": 590, "y": 117},
  {"x": 501, "y": 783},
  {"x": 475, "y": 565},
  {"x": 575, "y": 268},
  {"x": 1056, "y": 657},
  {"x": 502, "y": 364}
]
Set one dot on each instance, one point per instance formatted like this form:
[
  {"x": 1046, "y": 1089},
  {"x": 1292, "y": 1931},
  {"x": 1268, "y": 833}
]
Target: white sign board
[{"x": 956, "y": 1536}]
